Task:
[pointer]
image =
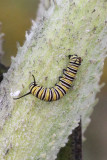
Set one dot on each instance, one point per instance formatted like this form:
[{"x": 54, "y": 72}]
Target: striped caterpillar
[{"x": 61, "y": 88}]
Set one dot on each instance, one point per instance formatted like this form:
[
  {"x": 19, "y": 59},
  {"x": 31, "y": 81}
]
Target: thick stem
[{"x": 34, "y": 129}]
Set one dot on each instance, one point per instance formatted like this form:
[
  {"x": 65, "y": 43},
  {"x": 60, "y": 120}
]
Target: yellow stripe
[
  {"x": 40, "y": 93},
  {"x": 71, "y": 74},
  {"x": 73, "y": 57},
  {"x": 35, "y": 89},
  {"x": 77, "y": 61},
  {"x": 73, "y": 67},
  {"x": 67, "y": 81},
  {"x": 54, "y": 95},
  {"x": 66, "y": 89},
  {"x": 61, "y": 95},
  {"x": 31, "y": 87},
  {"x": 47, "y": 95}
]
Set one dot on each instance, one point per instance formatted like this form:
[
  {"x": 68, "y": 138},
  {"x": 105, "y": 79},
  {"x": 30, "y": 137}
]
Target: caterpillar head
[
  {"x": 74, "y": 58},
  {"x": 30, "y": 87}
]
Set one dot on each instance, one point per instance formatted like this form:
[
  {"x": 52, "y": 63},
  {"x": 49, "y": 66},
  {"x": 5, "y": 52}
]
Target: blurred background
[{"x": 16, "y": 18}]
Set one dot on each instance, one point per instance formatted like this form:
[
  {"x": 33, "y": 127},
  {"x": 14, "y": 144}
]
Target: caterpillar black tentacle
[
  {"x": 34, "y": 79},
  {"x": 61, "y": 88},
  {"x": 22, "y": 96}
]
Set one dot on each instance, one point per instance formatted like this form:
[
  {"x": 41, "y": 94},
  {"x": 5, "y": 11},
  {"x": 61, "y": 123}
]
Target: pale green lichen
[{"x": 34, "y": 129}]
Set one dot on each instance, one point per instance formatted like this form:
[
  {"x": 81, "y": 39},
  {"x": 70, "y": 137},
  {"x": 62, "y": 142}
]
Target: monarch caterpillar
[{"x": 60, "y": 89}]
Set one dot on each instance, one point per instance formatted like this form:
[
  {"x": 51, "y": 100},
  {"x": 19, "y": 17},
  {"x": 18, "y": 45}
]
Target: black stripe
[
  {"x": 50, "y": 94},
  {"x": 65, "y": 84},
  {"x": 72, "y": 70},
  {"x": 38, "y": 92},
  {"x": 69, "y": 77},
  {"x": 75, "y": 57},
  {"x": 61, "y": 89},
  {"x": 32, "y": 90},
  {"x": 57, "y": 93},
  {"x": 74, "y": 64},
  {"x": 44, "y": 93}
]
